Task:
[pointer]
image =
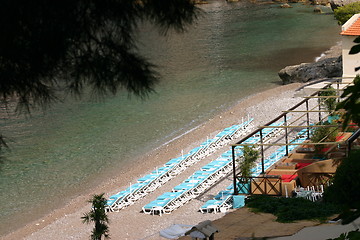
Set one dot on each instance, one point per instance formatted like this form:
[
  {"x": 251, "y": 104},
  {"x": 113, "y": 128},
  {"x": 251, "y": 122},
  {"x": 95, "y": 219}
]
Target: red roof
[{"x": 354, "y": 29}]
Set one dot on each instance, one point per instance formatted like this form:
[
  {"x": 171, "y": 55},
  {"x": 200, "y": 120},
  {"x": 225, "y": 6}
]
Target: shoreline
[
  {"x": 141, "y": 166},
  {"x": 72, "y": 211}
]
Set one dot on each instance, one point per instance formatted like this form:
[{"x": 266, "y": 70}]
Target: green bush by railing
[{"x": 291, "y": 209}]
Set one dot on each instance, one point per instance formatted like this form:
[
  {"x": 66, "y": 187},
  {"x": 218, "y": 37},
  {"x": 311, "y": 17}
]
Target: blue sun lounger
[{"x": 159, "y": 176}]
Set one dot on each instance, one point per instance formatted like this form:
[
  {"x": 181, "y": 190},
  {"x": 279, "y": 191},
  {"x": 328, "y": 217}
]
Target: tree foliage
[
  {"x": 46, "y": 46},
  {"x": 344, "y": 13},
  {"x": 345, "y": 188},
  {"x": 329, "y": 103},
  {"x": 356, "y": 48},
  {"x": 250, "y": 156},
  {"x": 98, "y": 216},
  {"x": 346, "y": 184},
  {"x": 323, "y": 134},
  {"x": 351, "y": 103}
]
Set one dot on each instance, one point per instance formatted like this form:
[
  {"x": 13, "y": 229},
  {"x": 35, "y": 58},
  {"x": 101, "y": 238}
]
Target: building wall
[{"x": 349, "y": 61}]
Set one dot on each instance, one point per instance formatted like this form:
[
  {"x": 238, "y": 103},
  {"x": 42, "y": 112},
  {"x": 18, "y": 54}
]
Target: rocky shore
[
  {"x": 328, "y": 65},
  {"x": 333, "y": 3}
]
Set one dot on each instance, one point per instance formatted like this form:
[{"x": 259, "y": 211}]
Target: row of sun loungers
[
  {"x": 197, "y": 183},
  {"x": 192, "y": 187},
  {"x": 173, "y": 167},
  {"x": 223, "y": 201},
  {"x": 220, "y": 203}
]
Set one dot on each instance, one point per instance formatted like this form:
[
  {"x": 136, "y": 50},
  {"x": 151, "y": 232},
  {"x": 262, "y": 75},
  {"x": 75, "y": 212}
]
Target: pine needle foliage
[{"x": 47, "y": 46}]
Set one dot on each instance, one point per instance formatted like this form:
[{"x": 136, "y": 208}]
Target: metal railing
[{"x": 315, "y": 95}]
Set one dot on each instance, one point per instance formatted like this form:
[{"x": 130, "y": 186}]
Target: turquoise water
[{"x": 235, "y": 50}]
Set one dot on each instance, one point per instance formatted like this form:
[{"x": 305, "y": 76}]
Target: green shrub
[
  {"x": 323, "y": 134},
  {"x": 345, "y": 189},
  {"x": 248, "y": 162},
  {"x": 291, "y": 209},
  {"x": 262, "y": 203},
  {"x": 342, "y": 14},
  {"x": 329, "y": 103}
]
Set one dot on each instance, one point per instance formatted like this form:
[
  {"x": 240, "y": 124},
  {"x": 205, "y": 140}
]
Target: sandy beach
[
  {"x": 227, "y": 56},
  {"x": 130, "y": 223}
]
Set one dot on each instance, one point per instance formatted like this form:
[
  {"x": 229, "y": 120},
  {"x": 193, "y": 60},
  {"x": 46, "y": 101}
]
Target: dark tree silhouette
[
  {"x": 351, "y": 103},
  {"x": 344, "y": 190},
  {"x": 47, "y": 47},
  {"x": 50, "y": 45},
  {"x": 98, "y": 216},
  {"x": 351, "y": 94}
]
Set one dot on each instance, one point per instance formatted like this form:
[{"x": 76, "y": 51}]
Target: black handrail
[
  {"x": 351, "y": 139},
  {"x": 269, "y": 123},
  {"x": 275, "y": 119}
]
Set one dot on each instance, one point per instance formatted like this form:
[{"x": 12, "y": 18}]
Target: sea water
[{"x": 235, "y": 50}]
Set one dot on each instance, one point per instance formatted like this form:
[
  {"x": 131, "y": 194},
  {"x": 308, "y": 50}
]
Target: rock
[
  {"x": 339, "y": 3},
  {"x": 317, "y": 10},
  {"x": 305, "y": 72},
  {"x": 297, "y": 1},
  {"x": 319, "y": 2},
  {"x": 285, "y": 5}
]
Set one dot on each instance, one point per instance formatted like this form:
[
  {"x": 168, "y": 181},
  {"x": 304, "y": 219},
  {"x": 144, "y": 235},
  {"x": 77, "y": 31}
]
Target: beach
[
  {"x": 130, "y": 223},
  {"x": 78, "y": 147},
  {"x": 59, "y": 166}
]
